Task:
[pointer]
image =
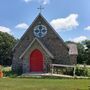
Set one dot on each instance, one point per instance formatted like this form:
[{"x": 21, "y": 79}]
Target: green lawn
[{"x": 43, "y": 84}]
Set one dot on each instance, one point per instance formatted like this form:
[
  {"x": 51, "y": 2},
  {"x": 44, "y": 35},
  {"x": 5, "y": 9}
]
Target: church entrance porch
[{"x": 36, "y": 61}]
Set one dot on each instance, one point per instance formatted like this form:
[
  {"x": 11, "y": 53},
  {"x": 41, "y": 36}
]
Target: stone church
[{"x": 41, "y": 46}]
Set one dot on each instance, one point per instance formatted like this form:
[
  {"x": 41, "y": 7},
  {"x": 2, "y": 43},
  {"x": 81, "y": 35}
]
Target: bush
[
  {"x": 81, "y": 71},
  {"x": 63, "y": 70},
  {"x": 9, "y": 74},
  {"x": 69, "y": 71},
  {"x": 88, "y": 72}
]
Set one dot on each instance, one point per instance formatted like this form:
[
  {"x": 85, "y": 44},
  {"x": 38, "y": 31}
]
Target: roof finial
[{"x": 40, "y": 8}]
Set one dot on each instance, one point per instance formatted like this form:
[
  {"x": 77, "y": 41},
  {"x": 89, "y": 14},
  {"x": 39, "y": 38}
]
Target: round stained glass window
[{"x": 40, "y": 31}]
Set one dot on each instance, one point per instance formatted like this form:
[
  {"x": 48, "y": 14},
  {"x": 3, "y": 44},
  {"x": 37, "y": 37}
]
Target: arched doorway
[{"x": 36, "y": 61}]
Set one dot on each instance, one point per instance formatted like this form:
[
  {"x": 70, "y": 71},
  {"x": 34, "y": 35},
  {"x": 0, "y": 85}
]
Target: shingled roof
[{"x": 72, "y": 49}]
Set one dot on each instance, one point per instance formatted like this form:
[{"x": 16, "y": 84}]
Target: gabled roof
[
  {"x": 36, "y": 39},
  {"x": 40, "y": 15},
  {"x": 72, "y": 49}
]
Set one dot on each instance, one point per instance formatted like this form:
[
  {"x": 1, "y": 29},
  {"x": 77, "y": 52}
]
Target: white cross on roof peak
[{"x": 40, "y": 8}]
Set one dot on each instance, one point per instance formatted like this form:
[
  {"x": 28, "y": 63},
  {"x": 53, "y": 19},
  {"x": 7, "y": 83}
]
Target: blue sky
[{"x": 70, "y": 18}]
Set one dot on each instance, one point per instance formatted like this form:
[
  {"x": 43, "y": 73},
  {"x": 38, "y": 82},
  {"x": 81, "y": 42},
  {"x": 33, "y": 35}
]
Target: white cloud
[
  {"x": 27, "y": 1},
  {"x": 22, "y": 26},
  {"x": 44, "y": 2},
  {"x": 67, "y": 23},
  {"x": 87, "y": 28},
  {"x": 5, "y": 29},
  {"x": 79, "y": 39}
]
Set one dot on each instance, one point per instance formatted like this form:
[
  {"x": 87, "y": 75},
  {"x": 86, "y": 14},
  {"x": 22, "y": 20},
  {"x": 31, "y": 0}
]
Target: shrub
[
  {"x": 9, "y": 74},
  {"x": 69, "y": 71},
  {"x": 88, "y": 72},
  {"x": 63, "y": 70},
  {"x": 81, "y": 71}
]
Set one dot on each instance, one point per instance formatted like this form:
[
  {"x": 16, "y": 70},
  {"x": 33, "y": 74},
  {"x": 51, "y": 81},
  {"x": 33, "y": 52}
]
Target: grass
[{"x": 44, "y": 84}]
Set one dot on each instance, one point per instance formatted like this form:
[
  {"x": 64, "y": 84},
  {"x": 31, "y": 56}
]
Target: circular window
[{"x": 40, "y": 31}]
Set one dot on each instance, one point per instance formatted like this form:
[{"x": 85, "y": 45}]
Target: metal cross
[{"x": 40, "y": 8}]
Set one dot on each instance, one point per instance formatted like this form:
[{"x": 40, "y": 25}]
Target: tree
[
  {"x": 83, "y": 51},
  {"x": 87, "y": 50},
  {"x": 81, "y": 54},
  {"x": 6, "y": 44}
]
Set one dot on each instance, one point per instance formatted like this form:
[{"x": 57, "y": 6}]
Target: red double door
[{"x": 36, "y": 61}]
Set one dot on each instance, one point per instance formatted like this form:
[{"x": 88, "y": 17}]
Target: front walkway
[
  {"x": 49, "y": 74},
  {"x": 44, "y": 74}
]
